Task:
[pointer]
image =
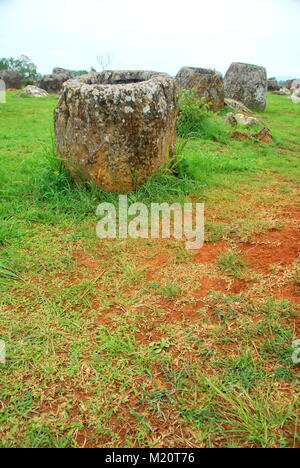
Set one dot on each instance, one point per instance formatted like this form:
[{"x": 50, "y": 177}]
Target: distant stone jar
[
  {"x": 208, "y": 84},
  {"x": 248, "y": 84},
  {"x": 116, "y": 128},
  {"x": 273, "y": 84},
  {"x": 53, "y": 83},
  {"x": 295, "y": 84}
]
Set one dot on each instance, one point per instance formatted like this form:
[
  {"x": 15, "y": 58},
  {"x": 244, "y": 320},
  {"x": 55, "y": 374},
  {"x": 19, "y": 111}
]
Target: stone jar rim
[
  {"x": 203, "y": 71},
  {"x": 122, "y": 79}
]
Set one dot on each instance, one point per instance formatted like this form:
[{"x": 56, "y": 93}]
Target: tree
[
  {"x": 24, "y": 66},
  {"x": 105, "y": 60}
]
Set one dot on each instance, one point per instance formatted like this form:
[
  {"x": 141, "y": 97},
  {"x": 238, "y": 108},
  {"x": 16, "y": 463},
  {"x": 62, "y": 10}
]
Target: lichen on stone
[{"x": 115, "y": 128}]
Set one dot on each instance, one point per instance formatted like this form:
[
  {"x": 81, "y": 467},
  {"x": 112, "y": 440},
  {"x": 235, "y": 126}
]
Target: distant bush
[
  {"x": 84, "y": 72},
  {"x": 197, "y": 121}
]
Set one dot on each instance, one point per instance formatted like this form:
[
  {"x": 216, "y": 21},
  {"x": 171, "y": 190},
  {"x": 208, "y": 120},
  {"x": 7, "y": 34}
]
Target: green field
[{"x": 141, "y": 343}]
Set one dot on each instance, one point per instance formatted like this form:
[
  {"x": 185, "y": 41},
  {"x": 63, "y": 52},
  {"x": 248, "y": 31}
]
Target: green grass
[
  {"x": 7, "y": 272},
  {"x": 230, "y": 263},
  {"x": 197, "y": 121},
  {"x": 234, "y": 160},
  {"x": 139, "y": 343}
]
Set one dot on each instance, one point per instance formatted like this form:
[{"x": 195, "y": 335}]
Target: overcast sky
[{"x": 161, "y": 35}]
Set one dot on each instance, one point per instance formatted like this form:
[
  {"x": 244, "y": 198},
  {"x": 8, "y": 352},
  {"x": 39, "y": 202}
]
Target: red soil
[
  {"x": 209, "y": 252},
  {"x": 275, "y": 247}
]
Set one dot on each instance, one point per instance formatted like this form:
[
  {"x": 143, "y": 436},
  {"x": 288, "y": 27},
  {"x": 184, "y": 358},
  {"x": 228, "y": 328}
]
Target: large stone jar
[
  {"x": 53, "y": 83},
  {"x": 248, "y": 84},
  {"x": 208, "y": 84},
  {"x": 273, "y": 84},
  {"x": 116, "y": 128}
]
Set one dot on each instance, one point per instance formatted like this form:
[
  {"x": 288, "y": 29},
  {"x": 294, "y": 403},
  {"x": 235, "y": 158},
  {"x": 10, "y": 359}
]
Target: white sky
[{"x": 161, "y": 35}]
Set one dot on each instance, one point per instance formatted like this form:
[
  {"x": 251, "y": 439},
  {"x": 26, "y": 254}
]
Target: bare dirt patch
[
  {"x": 275, "y": 247},
  {"x": 156, "y": 263},
  {"x": 87, "y": 261},
  {"x": 209, "y": 284},
  {"x": 209, "y": 252},
  {"x": 289, "y": 291}
]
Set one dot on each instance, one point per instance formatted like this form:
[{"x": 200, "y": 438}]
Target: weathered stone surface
[
  {"x": 53, "y": 83},
  {"x": 242, "y": 119},
  {"x": 207, "y": 83},
  {"x": 246, "y": 120},
  {"x": 288, "y": 83},
  {"x": 273, "y": 84},
  {"x": 264, "y": 135},
  {"x": 295, "y": 84},
  {"x": 230, "y": 119},
  {"x": 282, "y": 92},
  {"x": 248, "y": 84},
  {"x": 34, "y": 91},
  {"x": 296, "y": 91},
  {"x": 238, "y": 106},
  {"x": 295, "y": 98},
  {"x": 117, "y": 128},
  {"x": 64, "y": 71},
  {"x": 11, "y": 79}
]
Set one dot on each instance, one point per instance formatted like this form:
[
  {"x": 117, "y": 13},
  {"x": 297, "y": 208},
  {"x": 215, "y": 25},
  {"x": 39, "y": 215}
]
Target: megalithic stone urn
[
  {"x": 116, "y": 128},
  {"x": 247, "y": 83},
  {"x": 208, "y": 84}
]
